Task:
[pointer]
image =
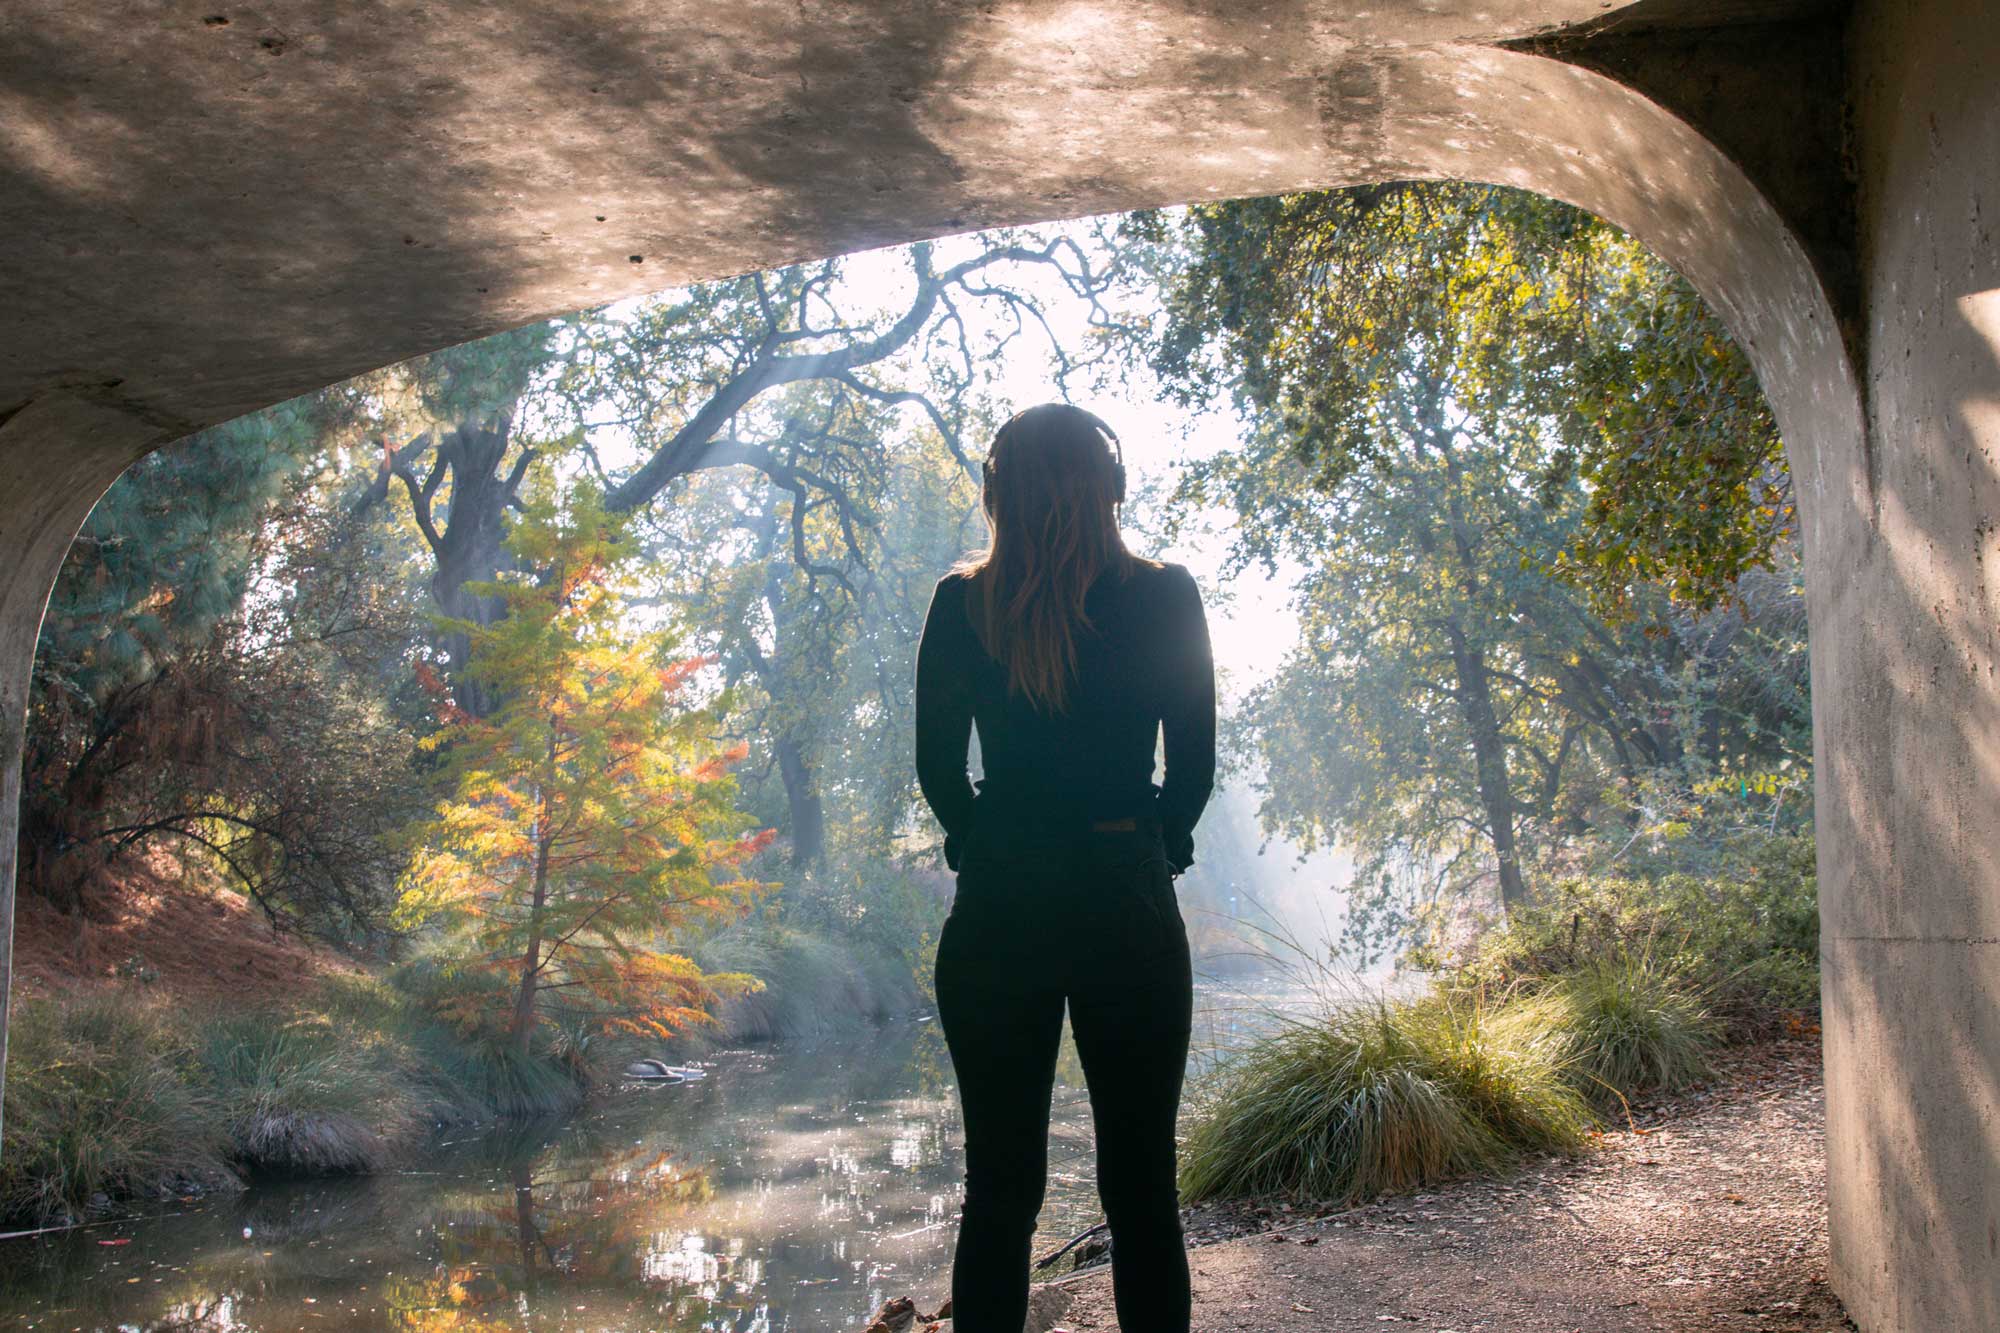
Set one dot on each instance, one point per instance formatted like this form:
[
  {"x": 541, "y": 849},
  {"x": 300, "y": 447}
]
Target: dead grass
[{"x": 159, "y": 928}]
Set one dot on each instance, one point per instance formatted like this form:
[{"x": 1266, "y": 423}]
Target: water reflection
[{"x": 794, "y": 1189}]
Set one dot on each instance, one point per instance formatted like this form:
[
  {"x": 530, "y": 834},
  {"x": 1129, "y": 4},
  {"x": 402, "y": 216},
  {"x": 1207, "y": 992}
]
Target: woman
[{"x": 1072, "y": 656}]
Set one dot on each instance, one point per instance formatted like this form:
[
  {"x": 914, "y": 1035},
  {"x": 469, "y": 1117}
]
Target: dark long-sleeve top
[{"x": 1144, "y": 671}]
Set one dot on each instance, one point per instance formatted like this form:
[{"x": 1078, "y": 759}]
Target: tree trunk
[
  {"x": 523, "y": 1030},
  {"x": 1489, "y": 755},
  {"x": 472, "y": 546},
  {"x": 469, "y": 545},
  {"x": 1475, "y": 686},
  {"x": 807, "y": 814}
]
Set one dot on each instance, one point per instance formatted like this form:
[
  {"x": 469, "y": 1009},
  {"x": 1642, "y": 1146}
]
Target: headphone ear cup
[{"x": 1118, "y": 483}]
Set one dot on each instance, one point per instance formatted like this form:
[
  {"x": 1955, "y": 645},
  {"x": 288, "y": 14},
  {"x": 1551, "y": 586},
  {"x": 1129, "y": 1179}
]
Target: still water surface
[{"x": 791, "y": 1191}]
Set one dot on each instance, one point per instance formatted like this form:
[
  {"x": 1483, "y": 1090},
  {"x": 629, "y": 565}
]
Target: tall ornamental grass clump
[
  {"x": 1632, "y": 1025},
  {"x": 1384, "y": 1096},
  {"x": 102, "y": 1100},
  {"x": 495, "y": 1073},
  {"x": 302, "y": 1094},
  {"x": 467, "y": 1065}
]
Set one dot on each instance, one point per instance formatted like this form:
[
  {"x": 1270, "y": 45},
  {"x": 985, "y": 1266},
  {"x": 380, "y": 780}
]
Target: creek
[{"x": 791, "y": 1190}]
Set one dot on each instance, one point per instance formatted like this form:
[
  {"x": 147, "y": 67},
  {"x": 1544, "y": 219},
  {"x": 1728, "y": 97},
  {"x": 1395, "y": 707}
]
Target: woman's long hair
[{"x": 1053, "y": 485}]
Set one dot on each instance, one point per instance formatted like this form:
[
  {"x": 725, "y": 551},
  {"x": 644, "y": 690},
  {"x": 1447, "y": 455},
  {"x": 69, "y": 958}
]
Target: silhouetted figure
[{"x": 1072, "y": 656}]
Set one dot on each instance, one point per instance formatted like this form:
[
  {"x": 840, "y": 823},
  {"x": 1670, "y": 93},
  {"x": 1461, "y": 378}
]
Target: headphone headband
[{"x": 1096, "y": 423}]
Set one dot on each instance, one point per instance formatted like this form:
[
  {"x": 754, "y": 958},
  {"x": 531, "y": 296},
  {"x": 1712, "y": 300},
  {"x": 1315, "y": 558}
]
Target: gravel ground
[{"x": 1706, "y": 1212}]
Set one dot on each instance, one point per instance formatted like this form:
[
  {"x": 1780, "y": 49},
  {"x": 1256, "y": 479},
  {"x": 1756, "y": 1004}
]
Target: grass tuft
[
  {"x": 1634, "y": 1026},
  {"x": 496, "y": 1074},
  {"x": 301, "y": 1095},
  {"x": 1381, "y": 1097},
  {"x": 100, "y": 1104}
]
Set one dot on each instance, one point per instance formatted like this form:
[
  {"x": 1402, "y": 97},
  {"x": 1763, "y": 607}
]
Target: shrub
[
  {"x": 1632, "y": 1026},
  {"x": 100, "y": 1101},
  {"x": 1384, "y": 1096},
  {"x": 302, "y": 1094},
  {"x": 1746, "y": 940}
]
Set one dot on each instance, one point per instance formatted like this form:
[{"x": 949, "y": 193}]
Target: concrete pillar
[
  {"x": 57, "y": 455},
  {"x": 1906, "y": 651}
]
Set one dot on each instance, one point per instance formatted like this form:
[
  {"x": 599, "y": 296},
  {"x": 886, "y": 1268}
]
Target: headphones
[{"x": 1095, "y": 422}]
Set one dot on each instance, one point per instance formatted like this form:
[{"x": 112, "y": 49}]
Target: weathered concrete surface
[
  {"x": 57, "y": 455},
  {"x": 1762, "y": 92},
  {"x": 1906, "y": 655},
  {"x": 206, "y": 216},
  {"x": 223, "y": 214}
]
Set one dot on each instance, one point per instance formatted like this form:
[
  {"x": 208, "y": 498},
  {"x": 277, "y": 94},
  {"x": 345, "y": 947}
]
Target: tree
[
  {"x": 1553, "y": 321},
  {"x": 1436, "y": 376},
  {"x": 771, "y": 372},
  {"x": 209, "y": 676},
  {"x": 588, "y": 817},
  {"x": 812, "y": 621}
]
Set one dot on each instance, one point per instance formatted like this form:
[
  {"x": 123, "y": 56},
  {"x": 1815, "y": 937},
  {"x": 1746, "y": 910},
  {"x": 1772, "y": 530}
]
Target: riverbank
[
  {"x": 174, "y": 1044},
  {"x": 1705, "y": 1212}
]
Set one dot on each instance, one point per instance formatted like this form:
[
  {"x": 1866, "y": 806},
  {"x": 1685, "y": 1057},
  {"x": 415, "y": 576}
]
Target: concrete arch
[
  {"x": 1143, "y": 130},
  {"x": 207, "y": 217}
]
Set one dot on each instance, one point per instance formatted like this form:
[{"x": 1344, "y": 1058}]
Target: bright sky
[{"x": 1250, "y": 618}]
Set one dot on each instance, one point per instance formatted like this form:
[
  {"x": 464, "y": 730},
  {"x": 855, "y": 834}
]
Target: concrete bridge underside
[{"x": 209, "y": 207}]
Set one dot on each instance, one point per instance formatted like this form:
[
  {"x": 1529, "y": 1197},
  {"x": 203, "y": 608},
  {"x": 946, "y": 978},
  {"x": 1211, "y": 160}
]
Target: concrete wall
[{"x": 1907, "y": 689}]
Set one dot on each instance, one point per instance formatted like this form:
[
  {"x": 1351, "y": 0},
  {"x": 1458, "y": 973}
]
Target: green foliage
[
  {"x": 1323, "y": 309},
  {"x": 818, "y": 665},
  {"x": 811, "y": 984},
  {"x": 1745, "y": 940},
  {"x": 588, "y": 814},
  {"x": 1382, "y": 1096},
  {"x": 112, "y": 1098},
  {"x": 447, "y": 1020},
  {"x": 495, "y": 1073},
  {"x": 1520, "y": 467},
  {"x": 1633, "y": 1026},
  {"x": 100, "y": 1101},
  {"x": 168, "y": 552},
  {"x": 208, "y": 678}
]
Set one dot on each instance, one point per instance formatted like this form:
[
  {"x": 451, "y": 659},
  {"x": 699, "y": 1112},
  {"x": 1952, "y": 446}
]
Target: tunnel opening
[
  {"x": 790, "y": 527},
  {"x": 1177, "y": 104}
]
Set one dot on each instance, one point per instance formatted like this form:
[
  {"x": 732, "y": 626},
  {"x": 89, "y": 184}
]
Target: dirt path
[{"x": 1711, "y": 1216}]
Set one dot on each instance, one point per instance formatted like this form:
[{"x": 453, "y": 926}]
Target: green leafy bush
[{"x": 1746, "y": 941}]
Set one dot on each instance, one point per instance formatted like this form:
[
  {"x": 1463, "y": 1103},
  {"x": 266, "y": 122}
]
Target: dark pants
[{"x": 1089, "y": 920}]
